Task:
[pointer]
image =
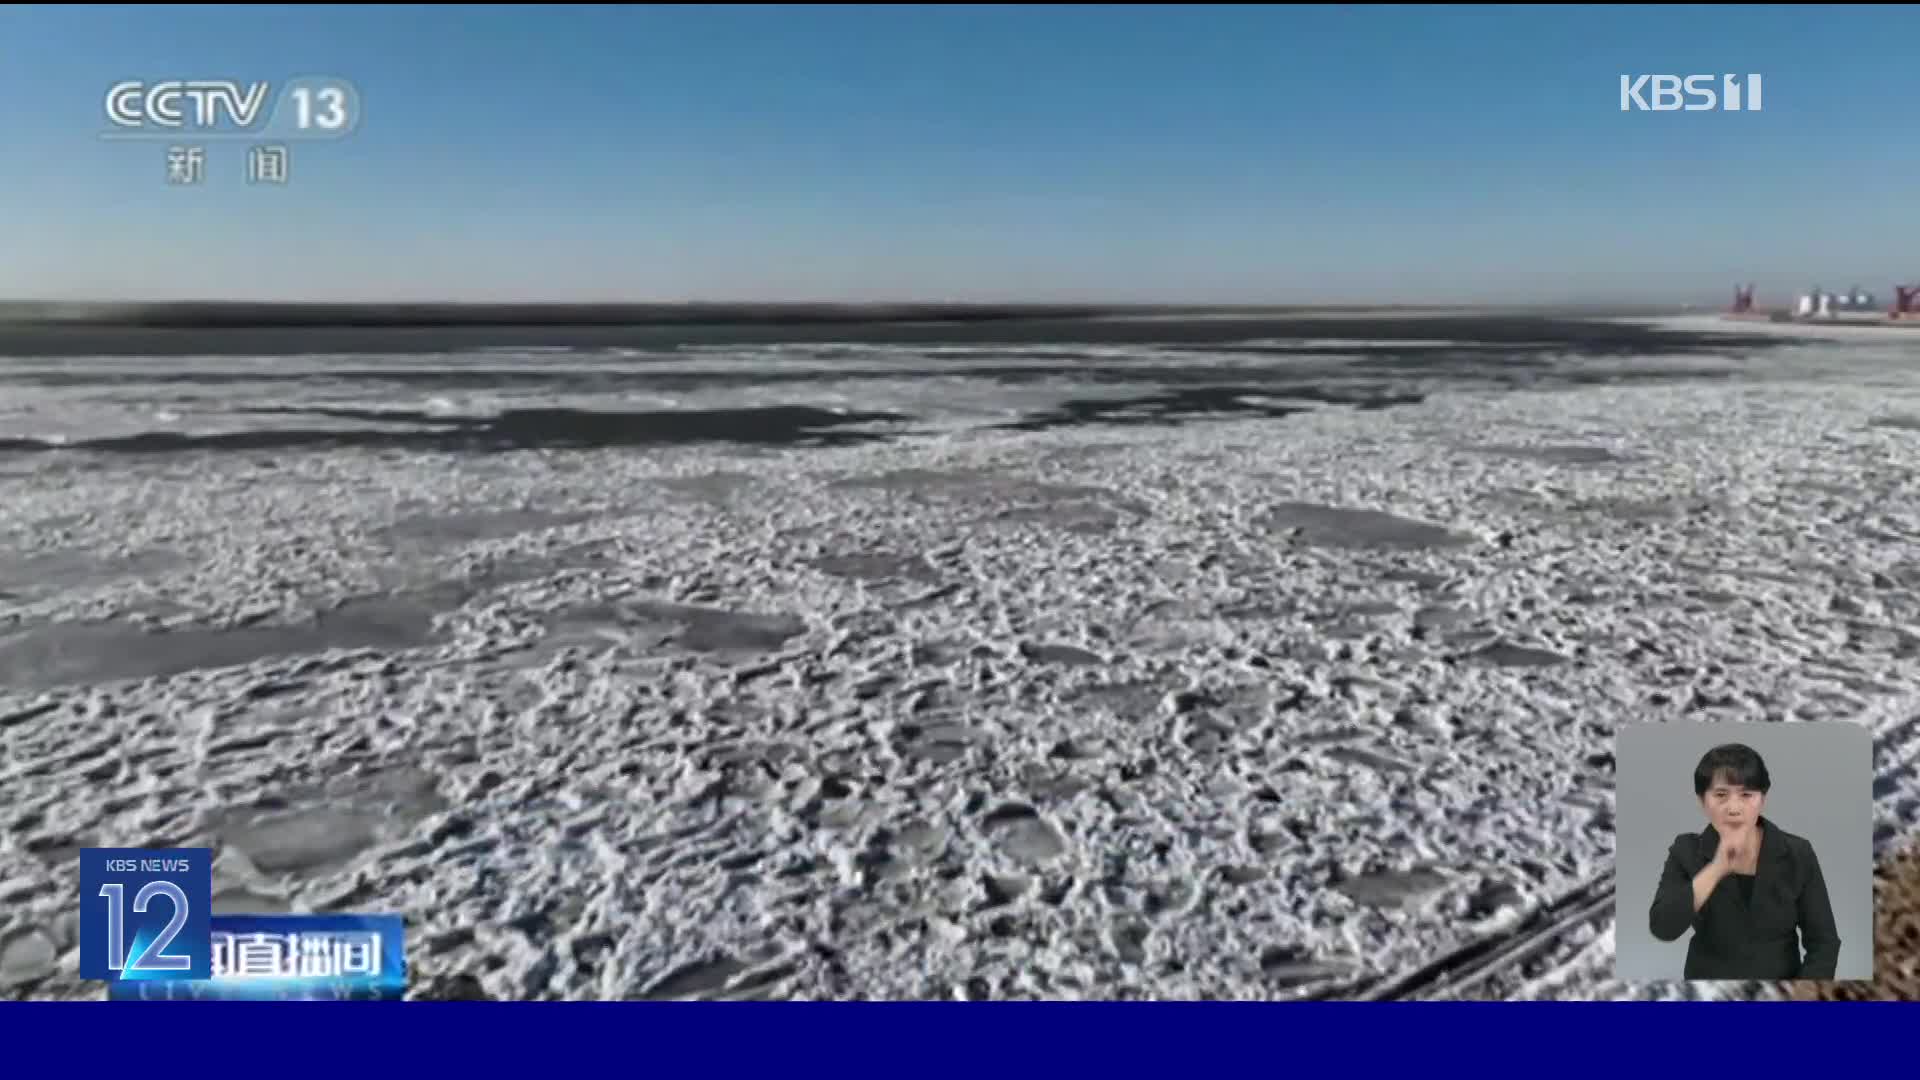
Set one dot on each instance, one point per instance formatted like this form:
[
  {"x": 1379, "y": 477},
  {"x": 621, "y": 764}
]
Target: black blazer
[{"x": 1732, "y": 940}]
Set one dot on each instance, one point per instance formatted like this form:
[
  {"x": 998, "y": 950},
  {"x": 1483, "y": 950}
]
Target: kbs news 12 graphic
[
  {"x": 148, "y": 930},
  {"x": 199, "y": 120}
]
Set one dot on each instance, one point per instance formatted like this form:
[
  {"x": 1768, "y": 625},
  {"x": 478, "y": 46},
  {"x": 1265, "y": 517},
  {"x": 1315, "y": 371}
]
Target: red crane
[
  {"x": 1906, "y": 301},
  {"x": 1742, "y": 299}
]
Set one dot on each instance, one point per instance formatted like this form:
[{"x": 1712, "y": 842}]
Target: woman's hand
[
  {"x": 1732, "y": 844},
  {"x": 1737, "y": 848}
]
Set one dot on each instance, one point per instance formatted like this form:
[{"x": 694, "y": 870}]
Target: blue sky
[{"x": 1286, "y": 155}]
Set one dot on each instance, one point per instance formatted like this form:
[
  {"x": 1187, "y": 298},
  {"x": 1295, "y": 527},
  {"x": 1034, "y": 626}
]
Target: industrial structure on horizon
[{"x": 1819, "y": 305}]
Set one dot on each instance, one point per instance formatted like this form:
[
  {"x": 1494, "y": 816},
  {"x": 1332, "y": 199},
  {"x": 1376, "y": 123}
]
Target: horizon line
[
  {"x": 161, "y": 315},
  {"x": 7, "y": 303}
]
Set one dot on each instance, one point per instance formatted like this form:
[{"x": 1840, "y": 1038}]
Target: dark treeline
[{"x": 225, "y": 315}]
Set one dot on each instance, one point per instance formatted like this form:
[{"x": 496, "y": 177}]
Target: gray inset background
[{"x": 1822, "y": 789}]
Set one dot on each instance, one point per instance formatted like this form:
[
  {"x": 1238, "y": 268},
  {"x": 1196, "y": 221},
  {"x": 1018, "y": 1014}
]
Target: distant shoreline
[
  {"x": 220, "y": 315},
  {"x": 418, "y": 329}
]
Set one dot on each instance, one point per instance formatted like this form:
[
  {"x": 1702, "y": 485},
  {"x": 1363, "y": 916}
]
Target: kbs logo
[
  {"x": 1691, "y": 93},
  {"x": 146, "y": 913}
]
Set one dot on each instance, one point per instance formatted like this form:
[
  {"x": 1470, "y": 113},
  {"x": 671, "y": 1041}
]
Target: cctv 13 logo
[{"x": 146, "y": 913}]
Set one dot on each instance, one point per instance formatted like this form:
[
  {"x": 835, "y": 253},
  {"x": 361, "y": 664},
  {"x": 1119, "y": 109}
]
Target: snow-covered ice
[{"x": 1146, "y": 696}]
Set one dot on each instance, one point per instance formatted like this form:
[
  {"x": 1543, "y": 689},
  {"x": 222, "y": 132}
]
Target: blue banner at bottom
[
  {"x": 964, "y": 1040},
  {"x": 291, "y": 958}
]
